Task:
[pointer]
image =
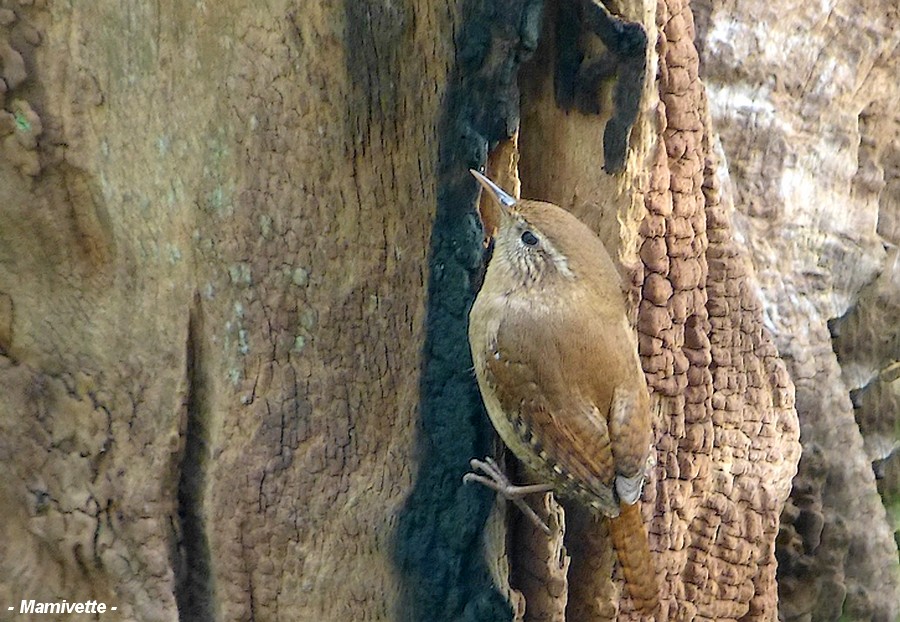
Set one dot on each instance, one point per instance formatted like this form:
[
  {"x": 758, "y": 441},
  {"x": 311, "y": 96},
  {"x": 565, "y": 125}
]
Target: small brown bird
[{"x": 557, "y": 364}]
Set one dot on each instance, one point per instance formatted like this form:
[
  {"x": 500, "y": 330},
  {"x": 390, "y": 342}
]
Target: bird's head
[{"x": 537, "y": 243}]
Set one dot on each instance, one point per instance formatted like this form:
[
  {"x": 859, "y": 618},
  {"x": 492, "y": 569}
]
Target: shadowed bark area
[
  {"x": 194, "y": 584},
  {"x": 442, "y": 519}
]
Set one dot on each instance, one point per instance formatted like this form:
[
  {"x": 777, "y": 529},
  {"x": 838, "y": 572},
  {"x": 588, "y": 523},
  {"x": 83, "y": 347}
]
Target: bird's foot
[{"x": 496, "y": 480}]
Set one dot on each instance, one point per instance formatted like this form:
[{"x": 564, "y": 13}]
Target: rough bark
[
  {"x": 726, "y": 429},
  {"x": 804, "y": 98},
  {"x": 213, "y": 255}
]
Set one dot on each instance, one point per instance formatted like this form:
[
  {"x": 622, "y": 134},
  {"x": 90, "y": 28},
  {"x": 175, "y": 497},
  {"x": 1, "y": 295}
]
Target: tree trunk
[
  {"x": 813, "y": 146},
  {"x": 215, "y": 256},
  {"x": 238, "y": 246}
]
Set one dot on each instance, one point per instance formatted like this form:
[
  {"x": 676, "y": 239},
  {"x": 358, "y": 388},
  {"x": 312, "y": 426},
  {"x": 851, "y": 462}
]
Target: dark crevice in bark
[
  {"x": 440, "y": 528},
  {"x": 194, "y": 586}
]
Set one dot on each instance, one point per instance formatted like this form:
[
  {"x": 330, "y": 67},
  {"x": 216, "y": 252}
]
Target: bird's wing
[{"x": 567, "y": 428}]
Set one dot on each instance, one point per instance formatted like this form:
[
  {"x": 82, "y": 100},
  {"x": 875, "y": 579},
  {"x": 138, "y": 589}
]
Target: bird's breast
[{"x": 485, "y": 320}]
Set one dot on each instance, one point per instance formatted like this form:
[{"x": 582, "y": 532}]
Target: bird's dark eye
[{"x": 529, "y": 238}]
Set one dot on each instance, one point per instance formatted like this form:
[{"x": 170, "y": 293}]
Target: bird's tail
[{"x": 629, "y": 538}]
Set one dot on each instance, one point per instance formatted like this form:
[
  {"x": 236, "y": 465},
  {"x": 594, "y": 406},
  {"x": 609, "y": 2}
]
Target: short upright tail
[{"x": 629, "y": 538}]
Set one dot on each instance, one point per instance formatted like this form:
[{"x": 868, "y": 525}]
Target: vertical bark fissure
[{"x": 194, "y": 589}]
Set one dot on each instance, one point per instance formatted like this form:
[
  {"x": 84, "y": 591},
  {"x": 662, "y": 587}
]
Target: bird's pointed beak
[{"x": 497, "y": 193}]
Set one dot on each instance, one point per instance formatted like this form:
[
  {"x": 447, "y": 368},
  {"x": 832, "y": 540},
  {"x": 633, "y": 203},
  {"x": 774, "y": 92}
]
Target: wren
[{"x": 557, "y": 364}]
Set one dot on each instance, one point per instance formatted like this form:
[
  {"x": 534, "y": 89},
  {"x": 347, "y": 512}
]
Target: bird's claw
[{"x": 496, "y": 480}]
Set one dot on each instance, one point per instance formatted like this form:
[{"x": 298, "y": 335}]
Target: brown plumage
[{"x": 558, "y": 369}]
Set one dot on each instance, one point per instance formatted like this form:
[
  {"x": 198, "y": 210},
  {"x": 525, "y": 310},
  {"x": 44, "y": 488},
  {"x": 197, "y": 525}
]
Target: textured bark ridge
[
  {"x": 812, "y": 136},
  {"x": 727, "y": 433},
  {"x": 730, "y": 442}
]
